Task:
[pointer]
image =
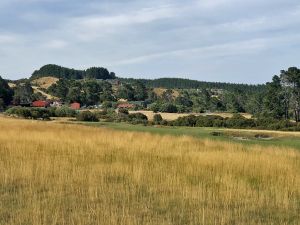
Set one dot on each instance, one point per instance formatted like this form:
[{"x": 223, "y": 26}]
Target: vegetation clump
[
  {"x": 29, "y": 113},
  {"x": 87, "y": 116}
]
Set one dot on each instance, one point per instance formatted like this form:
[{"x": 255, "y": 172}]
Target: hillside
[
  {"x": 159, "y": 92},
  {"x": 44, "y": 82},
  {"x": 46, "y": 95}
]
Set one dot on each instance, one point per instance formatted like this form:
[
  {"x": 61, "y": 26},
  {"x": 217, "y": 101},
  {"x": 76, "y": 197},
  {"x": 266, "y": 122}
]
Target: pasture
[{"x": 54, "y": 173}]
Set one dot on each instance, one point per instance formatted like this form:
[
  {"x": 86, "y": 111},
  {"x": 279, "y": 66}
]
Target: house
[
  {"x": 126, "y": 106},
  {"x": 56, "y": 104},
  {"x": 75, "y": 106},
  {"x": 40, "y": 104}
]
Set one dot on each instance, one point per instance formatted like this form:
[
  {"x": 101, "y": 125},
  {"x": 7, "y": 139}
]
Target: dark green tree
[
  {"x": 23, "y": 94},
  {"x": 291, "y": 88},
  {"x": 91, "y": 90},
  {"x": 6, "y": 94},
  {"x": 98, "y": 73},
  {"x": 60, "y": 88},
  {"x": 274, "y": 99},
  {"x": 140, "y": 91},
  {"x": 126, "y": 92}
]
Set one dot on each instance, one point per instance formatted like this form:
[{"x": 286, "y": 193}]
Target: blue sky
[{"x": 240, "y": 41}]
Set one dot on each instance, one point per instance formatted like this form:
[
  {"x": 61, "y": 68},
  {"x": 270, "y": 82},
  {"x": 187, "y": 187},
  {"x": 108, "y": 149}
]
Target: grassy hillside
[
  {"x": 44, "y": 82},
  {"x": 71, "y": 174}
]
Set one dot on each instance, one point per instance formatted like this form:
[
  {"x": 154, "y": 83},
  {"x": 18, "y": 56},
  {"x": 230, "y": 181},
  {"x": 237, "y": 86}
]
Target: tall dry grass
[{"x": 69, "y": 174}]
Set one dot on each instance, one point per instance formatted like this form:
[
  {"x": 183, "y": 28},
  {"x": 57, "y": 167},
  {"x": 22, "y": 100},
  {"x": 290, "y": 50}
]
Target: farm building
[
  {"x": 40, "y": 104},
  {"x": 75, "y": 106},
  {"x": 56, "y": 104}
]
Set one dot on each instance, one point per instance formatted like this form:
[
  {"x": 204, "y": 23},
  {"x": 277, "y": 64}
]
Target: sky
[{"x": 238, "y": 41}]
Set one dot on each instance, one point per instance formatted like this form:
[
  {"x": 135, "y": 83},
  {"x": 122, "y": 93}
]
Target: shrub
[
  {"x": 157, "y": 119},
  {"x": 155, "y": 107},
  {"x": 238, "y": 121},
  {"x": 138, "y": 118},
  {"x": 123, "y": 111},
  {"x": 65, "y": 112},
  {"x": 189, "y": 121},
  {"x": 30, "y": 113},
  {"x": 87, "y": 116},
  {"x": 169, "y": 108},
  {"x": 108, "y": 104}
]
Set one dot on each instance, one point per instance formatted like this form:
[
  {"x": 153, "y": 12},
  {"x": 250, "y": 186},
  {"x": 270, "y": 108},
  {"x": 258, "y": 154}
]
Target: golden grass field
[
  {"x": 174, "y": 116},
  {"x": 55, "y": 173}
]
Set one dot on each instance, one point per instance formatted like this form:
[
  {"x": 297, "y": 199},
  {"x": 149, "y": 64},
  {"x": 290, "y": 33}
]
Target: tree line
[{"x": 180, "y": 83}]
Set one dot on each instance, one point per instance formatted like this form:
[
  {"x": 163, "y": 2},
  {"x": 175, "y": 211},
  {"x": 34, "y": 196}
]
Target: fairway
[
  {"x": 278, "y": 138},
  {"x": 55, "y": 173}
]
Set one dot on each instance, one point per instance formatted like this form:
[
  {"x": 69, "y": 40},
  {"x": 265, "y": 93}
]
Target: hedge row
[
  {"x": 41, "y": 113},
  {"x": 237, "y": 121}
]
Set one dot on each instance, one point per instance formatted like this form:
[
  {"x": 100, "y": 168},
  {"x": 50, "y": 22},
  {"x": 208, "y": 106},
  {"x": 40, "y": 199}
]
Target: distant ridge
[
  {"x": 181, "y": 83},
  {"x": 171, "y": 83}
]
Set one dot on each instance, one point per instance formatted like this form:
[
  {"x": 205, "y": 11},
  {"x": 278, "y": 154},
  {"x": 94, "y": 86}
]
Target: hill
[
  {"x": 67, "y": 73},
  {"x": 52, "y": 70}
]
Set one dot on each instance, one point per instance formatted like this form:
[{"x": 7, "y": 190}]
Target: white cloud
[
  {"x": 55, "y": 44},
  {"x": 8, "y": 38},
  {"x": 220, "y": 50}
]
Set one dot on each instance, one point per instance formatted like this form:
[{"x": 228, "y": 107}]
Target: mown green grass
[{"x": 201, "y": 132}]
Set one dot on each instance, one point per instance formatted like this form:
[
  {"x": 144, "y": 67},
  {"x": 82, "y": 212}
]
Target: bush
[
  {"x": 108, "y": 105},
  {"x": 157, "y": 119},
  {"x": 169, "y": 108},
  {"x": 65, "y": 112},
  {"x": 87, "y": 116},
  {"x": 189, "y": 121},
  {"x": 209, "y": 121},
  {"x": 155, "y": 107},
  {"x": 138, "y": 118},
  {"x": 123, "y": 111},
  {"x": 238, "y": 121},
  {"x": 30, "y": 113}
]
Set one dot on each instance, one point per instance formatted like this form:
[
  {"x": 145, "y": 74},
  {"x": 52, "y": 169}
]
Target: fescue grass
[{"x": 71, "y": 174}]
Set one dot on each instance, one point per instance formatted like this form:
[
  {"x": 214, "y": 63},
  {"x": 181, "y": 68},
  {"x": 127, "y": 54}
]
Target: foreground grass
[{"x": 71, "y": 174}]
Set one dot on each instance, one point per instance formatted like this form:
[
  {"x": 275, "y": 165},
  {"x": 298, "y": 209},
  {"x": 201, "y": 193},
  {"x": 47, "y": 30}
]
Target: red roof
[
  {"x": 40, "y": 103},
  {"x": 75, "y": 106}
]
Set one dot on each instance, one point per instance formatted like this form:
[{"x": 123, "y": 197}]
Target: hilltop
[{"x": 52, "y": 70}]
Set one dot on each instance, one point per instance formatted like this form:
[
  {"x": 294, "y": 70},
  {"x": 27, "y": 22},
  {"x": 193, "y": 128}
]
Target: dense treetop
[{"x": 67, "y": 73}]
